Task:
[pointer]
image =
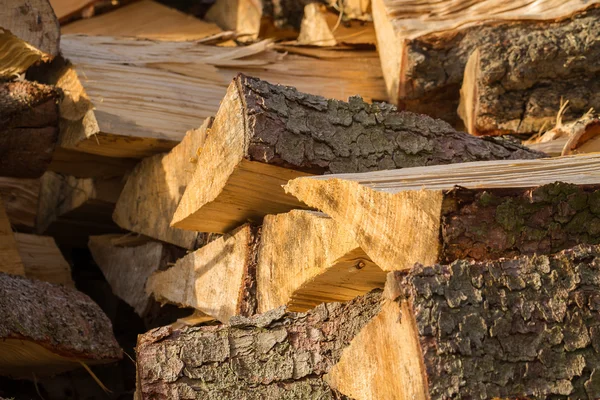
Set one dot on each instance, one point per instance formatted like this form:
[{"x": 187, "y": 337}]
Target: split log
[
  {"x": 580, "y": 136},
  {"x": 10, "y": 259},
  {"x": 20, "y": 197},
  {"x": 28, "y": 128},
  {"x": 486, "y": 324},
  {"x": 43, "y": 260},
  {"x": 415, "y": 215},
  {"x": 271, "y": 356},
  {"x": 155, "y": 187},
  {"x": 264, "y": 135},
  {"x": 127, "y": 268},
  {"x": 244, "y": 17},
  {"x": 429, "y": 43},
  {"x": 188, "y": 78},
  {"x": 321, "y": 27},
  {"x": 508, "y": 91},
  {"x": 71, "y": 209},
  {"x": 306, "y": 258},
  {"x": 29, "y": 32},
  {"x": 218, "y": 279},
  {"x": 48, "y": 329},
  {"x": 145, "y": 19}
]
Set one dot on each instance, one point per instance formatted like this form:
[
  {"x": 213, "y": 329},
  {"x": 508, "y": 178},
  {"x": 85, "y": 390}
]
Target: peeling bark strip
[
  {"x": 402, "y": 217},
  {"x": 426, "y": 62},
  {"x": 517, "y": 87},
  {"x": 265, "y": 135},
  {"x": 47, "y": 329},
  {"x": 28, "y": 128},
  {"x": 525, "y": 327},
  {"x": 270, "y": 356}
]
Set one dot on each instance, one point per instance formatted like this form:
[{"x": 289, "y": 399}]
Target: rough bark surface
[
  {"x": 435, "y": 63},
  {"x": 519, "y": 328},
  {"x": 270, "y": 356},
  {"x": 489, "y": 224},
  {"x": 28, "y": 128},
  {"x": 62, "y": 320},
  {"x": 520, "y": 83},
  {"x": 310, "y": 133}
]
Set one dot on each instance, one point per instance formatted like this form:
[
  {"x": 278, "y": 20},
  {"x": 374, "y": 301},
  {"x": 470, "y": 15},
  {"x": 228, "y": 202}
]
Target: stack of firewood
[{"x": 322, "y": 243}]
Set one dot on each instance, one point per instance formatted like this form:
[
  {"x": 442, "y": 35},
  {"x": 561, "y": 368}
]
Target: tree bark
[
  {"x": 514, "y": 328},
  {"x": 398, "y": 224},
  {"x": 270, "y": 356},
  {"x": 264, "y": 135},
  {"x": 29, "y": 32},
  {"x": 47, "y": 329},
  {"x": 424, "y": 70},
  {"x": 28, "y": 128},
  {"x": 518, "y": 87}
]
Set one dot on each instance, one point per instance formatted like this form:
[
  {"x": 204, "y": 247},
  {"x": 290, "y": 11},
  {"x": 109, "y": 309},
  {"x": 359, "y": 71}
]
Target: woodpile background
[{"x": 299, "y": 199}]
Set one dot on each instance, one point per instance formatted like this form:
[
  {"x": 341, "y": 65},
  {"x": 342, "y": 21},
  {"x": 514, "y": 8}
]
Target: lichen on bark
[
  {"x": 494, "y": 223},
  {"x": 516, "y": 328}
]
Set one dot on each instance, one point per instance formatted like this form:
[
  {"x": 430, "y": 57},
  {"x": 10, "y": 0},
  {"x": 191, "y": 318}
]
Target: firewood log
[
  {"x": 28, "y": 128},
  {"x": 428, "y": 43},
  {"x": 48, "y": 329},
  {"x": 264, "y": 135},
  {"x": 516, "y": 328},
  {"x": 499, "y": 209}
]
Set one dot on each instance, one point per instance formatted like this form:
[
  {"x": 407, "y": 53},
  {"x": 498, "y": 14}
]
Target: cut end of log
[
  {"x": 217, "y": 279},
  {"x": 395, "y": 230},
  {"x": 306, "y": 258},
  {"x": 48, "y": 329}
]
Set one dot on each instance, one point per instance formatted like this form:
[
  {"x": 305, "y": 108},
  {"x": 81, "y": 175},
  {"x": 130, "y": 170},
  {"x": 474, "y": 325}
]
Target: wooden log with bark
[
  {"x": 126, "y": 265},
  {"x": 189, "y": 79},
  {"x": 155, "y": 187},
  {"x": 43, "y": 260},
  {"x": 499, "y": 209},
  {"x": 48, "y": 329},
  {"x": 10, "y": 259},
  {"x": 218, "y": 279},
  {"x": 429, "y": 44},
  {"x": 28, "y": 128},
  {"x": 29, "y": 32},
  {"x": 264, "y": 135},
  {"x": 468, "y": 329},
  {"x": 506, "y": 90},
  {"x": 306, "y": 258}
]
